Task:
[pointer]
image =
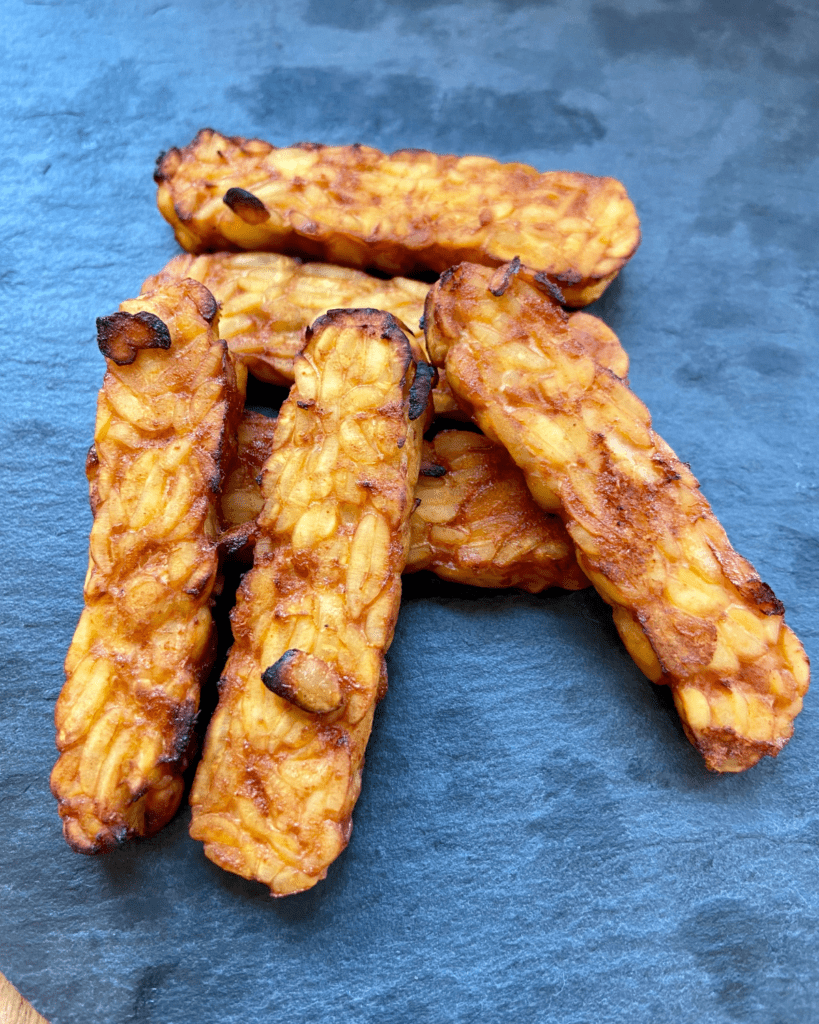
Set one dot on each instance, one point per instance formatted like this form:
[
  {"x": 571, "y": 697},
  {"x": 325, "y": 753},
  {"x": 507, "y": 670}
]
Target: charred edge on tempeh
[
  {"x": 245, "y": 205},
  {"x": 306, "y": 681},
  {"x": 121, "y": 335},
  {"x": 426, "y": 377}
]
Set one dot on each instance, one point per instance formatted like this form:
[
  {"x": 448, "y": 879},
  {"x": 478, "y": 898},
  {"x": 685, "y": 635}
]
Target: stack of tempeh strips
[{"x": 341, "y": 494}]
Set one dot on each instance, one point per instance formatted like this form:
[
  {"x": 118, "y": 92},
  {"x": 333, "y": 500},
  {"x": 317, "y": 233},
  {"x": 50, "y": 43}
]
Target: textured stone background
[{"x": 536, "y": 841}]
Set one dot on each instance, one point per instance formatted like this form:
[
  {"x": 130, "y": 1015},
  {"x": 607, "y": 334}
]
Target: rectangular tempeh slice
[
  {"x": 474, "y": 522},
  {"x": 691, "y": 611},
  {"x": 477, "y": 523},
  {"x": 268, "y": 300},
  {"x": 166, "y": 416},
  {"x": 281, "y": 770},
  {"x": 404, "y": 213}
]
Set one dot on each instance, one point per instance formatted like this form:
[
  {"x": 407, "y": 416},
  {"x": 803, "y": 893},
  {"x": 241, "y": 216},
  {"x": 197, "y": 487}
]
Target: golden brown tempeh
[
  {"x": 268, "y": 300},
  {"x": 241, "y": 499},
  {"x": 405, "y": 213},
  {"x": 691, "y": 611},
  {"x": 167, "y": 412},
  {"x": 477, "y": 522},
  {"x": 274, "y": 792},
  {"x": 598, "y": 339}
]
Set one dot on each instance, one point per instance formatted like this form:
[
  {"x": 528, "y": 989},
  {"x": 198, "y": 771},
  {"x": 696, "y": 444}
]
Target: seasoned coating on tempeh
[
  {"x": 404, "y": 213},
  {"x": 588, "y": 331},
  {"x": 599, "y": 340},
  {"x": 281, "y": 770},
  {"x": 166, "y": 422},
  {"x": 241, "y": 499},
  {"x": 477, "y": 522},
  {"x": 268, "y": 300},
  {"x": 691, "y": 611}
]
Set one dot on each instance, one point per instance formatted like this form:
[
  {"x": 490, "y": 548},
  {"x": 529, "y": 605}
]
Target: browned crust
[
  {"x": 405, "y": 213},
  {"x": 166, "y": 424},
  {"x": 692, "y": 612},
  {"x": 269, "y": 300},
  {"x": 281, "y": 770},
  {"x": 588, "y": 332},
  {"x": 241, "y": 496},
  {"x": 476, "y": 522}
]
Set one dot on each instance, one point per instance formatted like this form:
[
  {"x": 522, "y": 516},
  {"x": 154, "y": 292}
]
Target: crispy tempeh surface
[
  {"x": 274, "y": 792},
  {"x": 166, "y": 416},
  {"x": 692, "y": 612},
  {"x": 403, "y": 213},
  {"x": 477, "y": 522},
  {"x": 241, "y": 498},
  {"x": 599, "y": 340},
  {"x": 268, "y": 300}
]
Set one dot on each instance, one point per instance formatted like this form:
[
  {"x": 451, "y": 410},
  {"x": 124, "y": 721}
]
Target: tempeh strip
[
  {"x": 692, "y": 612},
  {"x": 166, "y": 420},
  {"x": 475, "y": 521},
  {"x": 274, "y": 793},
  {"x": 241, "y": 499},
  {"x": 268, "y": 300},
  {"x": 405, "y": 213}
]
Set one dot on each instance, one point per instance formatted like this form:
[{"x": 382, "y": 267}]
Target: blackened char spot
[
  {"x": 394, "y": 330},
  {"x": 159, "y": 177},
  {"x": 183, "y": 719},
  {"x": 569, "y": 277},
  {"x": 426, "y": 377},
  {"x": 121, "y": 335},
  {"x": 238, "y": 541},
  {"x": 245, "y": 205},
  {"x": 502, "y": 277},
  {"x": 272, "y": 676},
  {"x": 765, "y": 599},
  {"x": 551, "y": 288},
  {"x": 306, "y": 681}
]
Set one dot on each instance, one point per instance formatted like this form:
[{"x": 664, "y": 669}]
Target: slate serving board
[{"x": 535, "y": 840}]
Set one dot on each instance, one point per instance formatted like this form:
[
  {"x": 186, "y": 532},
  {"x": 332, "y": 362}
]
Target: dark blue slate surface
[{"x": 535, "y": 841}]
